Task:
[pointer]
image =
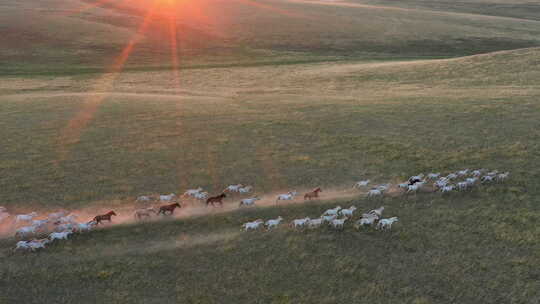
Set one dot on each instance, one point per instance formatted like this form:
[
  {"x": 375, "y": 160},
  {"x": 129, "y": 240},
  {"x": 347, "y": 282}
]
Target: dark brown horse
[
  {"x": 168, "y": 208},
  {"x": 216, "y": 199},
  {"x": 104, "y": 217},
  {"x": 312, "y": 194}
]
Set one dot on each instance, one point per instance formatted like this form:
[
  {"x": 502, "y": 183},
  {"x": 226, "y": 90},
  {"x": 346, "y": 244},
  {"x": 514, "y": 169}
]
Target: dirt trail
[
  {"x": 194, "y": 208},
  {"x": 190, "y": 208}
]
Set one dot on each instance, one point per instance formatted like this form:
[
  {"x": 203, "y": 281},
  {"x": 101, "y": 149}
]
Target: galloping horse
[
  {"x": 168, "y": 208},
  {"x": 313, "y": 194},
  {"x": 103, "y": 217},
  {"x": 216, "y": 199}
]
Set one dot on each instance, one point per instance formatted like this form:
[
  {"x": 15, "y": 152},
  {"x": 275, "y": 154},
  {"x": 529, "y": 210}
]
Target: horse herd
[
  {"x": 199, "y": 194},
  {"x": 335, "y": 218},
  {"x": 66, "y": 224}
]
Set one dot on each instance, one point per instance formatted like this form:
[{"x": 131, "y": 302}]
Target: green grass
[
  {"x": 470, "y": 248},
  {"x": 282, "y": 102},
  {"x": 520, "y": 9},
  {"x": 393, "y": 120},
  {"x": 281, "y": 127},
  {"x": 233, "y": 32}
]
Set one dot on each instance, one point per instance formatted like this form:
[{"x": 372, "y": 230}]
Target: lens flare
[{"x": 160, "y": 13}]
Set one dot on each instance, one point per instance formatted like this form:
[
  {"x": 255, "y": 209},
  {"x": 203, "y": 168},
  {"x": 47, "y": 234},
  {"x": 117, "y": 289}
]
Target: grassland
[
  {"x": 468, "y": 248},
  {"x": 290, "y": 94},
  {"x": 56, "y": 37},
  {"x": 333, "y": 123}
]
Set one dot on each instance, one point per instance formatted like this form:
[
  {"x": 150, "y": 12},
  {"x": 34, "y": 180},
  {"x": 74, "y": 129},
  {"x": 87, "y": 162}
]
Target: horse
[
  {"x": 216, "y": 199},
  {"x": 313, "y": 194},
  {"x": 168, "y": 208},
  {"x": 413, "y": 180},
  {"x": 103, "y": 217}
]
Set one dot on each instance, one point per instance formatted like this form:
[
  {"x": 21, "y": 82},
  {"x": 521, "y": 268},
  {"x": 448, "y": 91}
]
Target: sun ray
[
  {"x": 169, "y": 11},
  {"x": 173, "y": 35},
  {"x": 72, "y": 132},
  {"x": 195, "y": 11},
  {"x": 174, "y": 49}
]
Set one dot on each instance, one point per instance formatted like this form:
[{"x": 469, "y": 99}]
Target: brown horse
[
  {"x": 216, "y": 199},
  {"x": 168, "y": 208},
  {"x": 103, "y": 217},
  {"x": 312, "y": 194}
]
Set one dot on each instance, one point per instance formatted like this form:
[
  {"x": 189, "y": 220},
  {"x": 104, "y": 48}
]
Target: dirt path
[
  {"x": 194, "y": 208},
  {"x": 190, "y": 208}
]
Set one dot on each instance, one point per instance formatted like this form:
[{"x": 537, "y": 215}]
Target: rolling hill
[
  {"x": 333, "y": 123},
  {"x": 72, "y": 36},
  {"x": 281, "y": 95}
]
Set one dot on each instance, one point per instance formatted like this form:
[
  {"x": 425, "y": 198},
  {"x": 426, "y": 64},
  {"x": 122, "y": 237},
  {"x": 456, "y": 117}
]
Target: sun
[
  {"x": 168, "y": 3},
  {"x": 168, "y": 14},
  {"x": 168, "y": 6}
]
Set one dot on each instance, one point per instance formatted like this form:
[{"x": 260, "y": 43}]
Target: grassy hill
[
  {"x": 282, "y": 95},
  {"x": 334, "y": 123},
  {"x": 277, "y": 127},
  {"x": 519, "y": 9},
  {"x": 56, "y": 36}
]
